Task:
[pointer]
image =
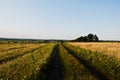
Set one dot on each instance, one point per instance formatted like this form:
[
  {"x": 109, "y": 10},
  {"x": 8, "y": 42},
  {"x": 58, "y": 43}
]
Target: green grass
[{"x": 72, "y": 68}]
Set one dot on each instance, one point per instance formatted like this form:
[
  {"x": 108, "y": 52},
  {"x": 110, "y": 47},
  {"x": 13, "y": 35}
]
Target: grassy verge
[
  {"x": 72, "y": 69},
  {"x": 109, "y": 66}
]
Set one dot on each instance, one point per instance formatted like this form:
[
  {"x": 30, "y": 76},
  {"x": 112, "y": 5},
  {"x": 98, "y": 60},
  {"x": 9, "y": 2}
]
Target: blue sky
[{"x": 60, "y": 19}]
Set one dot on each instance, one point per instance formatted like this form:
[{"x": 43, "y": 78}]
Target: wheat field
[{"x": 109, "y": 48}]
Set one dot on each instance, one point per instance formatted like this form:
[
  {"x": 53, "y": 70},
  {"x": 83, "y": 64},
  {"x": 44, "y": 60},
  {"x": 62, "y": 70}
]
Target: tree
[
  {"x": 80, "y": 39},
  {"x": 85, "y": 39},
  {"x": 89, "y": 38},
  {"x": 96, "y": 38}
]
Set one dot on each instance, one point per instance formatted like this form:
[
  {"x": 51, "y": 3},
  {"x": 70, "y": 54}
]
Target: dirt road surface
[{"x": 55, "y": 72}]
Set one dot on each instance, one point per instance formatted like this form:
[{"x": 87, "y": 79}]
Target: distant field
[{"x": 109, "y": 48}]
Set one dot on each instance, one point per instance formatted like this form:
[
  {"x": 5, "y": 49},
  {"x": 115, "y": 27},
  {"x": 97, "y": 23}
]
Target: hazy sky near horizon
[{"x": 60, "y": 19}]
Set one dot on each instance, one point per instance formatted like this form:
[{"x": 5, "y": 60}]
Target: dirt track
[{"x": 55, "y": 72}]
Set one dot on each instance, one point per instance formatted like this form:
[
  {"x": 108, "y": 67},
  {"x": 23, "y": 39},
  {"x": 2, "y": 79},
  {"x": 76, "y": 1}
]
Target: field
[
  {"x": 60, "y": 61},
  {"x": 105, "y": 56},
  {"x": 23, "y": 61},
  {"x": 107, "y": 48}
]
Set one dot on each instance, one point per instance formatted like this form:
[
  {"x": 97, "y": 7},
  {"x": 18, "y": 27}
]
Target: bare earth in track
[{"x": 54, "y": 72}]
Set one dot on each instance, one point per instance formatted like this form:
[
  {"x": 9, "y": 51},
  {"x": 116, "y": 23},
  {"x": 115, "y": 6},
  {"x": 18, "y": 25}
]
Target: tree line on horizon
[{"x": 89, "y": 38}]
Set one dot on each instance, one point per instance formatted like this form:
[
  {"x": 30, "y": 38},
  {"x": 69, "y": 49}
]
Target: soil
[{"x": 55, "y": 72}]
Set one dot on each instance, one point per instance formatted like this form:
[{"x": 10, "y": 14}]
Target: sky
[{"x": 60, "y": 19}]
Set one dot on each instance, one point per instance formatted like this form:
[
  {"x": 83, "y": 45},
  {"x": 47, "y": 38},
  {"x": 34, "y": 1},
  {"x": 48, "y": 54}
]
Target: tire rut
[{"x": 54, "y": 72}]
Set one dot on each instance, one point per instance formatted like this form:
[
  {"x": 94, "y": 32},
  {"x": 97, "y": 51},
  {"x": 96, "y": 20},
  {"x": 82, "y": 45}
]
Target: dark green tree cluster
[{"x": 89, "y": 38}]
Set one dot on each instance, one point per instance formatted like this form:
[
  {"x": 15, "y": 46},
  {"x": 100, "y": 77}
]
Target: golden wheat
[{"x": 109, "y": 48}]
